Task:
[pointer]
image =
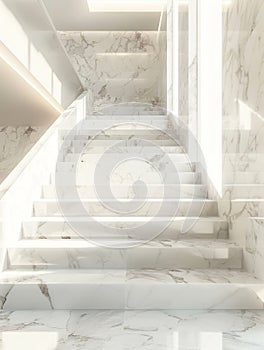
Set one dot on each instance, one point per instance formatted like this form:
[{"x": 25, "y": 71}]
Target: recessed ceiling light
[{"x": 126, "y": 5}]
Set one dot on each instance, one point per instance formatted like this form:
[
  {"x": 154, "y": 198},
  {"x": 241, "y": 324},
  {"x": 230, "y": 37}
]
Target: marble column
[
  {"x": 192, "y": 77},
  {"x": 172, "y": 56},
  {"x": 210, "y": 90}
]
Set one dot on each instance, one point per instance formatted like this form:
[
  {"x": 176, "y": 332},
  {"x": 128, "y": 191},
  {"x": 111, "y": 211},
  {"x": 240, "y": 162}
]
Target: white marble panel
[
  {"x": 15, "y": 142},
  {"x": 243, "y": 52},
  {"x": 119, "y": 67},
  {"x": 254, "y": 252}
]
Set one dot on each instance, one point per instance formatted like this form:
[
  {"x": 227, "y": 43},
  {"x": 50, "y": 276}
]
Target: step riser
[
  {"x": 126, "y": 192},
  {"x": 148, "y": 209},
  {"x": 105, "y": 124},
  {"x": 134, "y": 109},
  {"x": 86, "y": 166},
  {"x": 135, "y": 258},
  {"x": 63, "y": 230},
  {"x": 148, "y": 118},
  {"x": 122, "y": 149},
  {"x": 130, "y": 296},
  {"x": 143, "y": 134},
  {"x": 131, "y": 142},
  {"x": 88, "y": 179},
  {"x": 146, "y": 156}
]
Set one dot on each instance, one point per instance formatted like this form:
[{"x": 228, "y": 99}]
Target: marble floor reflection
[{"x": 146, "y": 330}]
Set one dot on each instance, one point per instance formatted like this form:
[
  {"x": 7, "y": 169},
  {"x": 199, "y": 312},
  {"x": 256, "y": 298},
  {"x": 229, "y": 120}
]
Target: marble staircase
[{"x": 115, "y": 256}]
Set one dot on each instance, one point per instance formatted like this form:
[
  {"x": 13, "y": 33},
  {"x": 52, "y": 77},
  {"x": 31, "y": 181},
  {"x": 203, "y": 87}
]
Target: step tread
[
  {"x": 125, "y": 200},
  {"x": 162, "y": 244},
  {"x": 105, "y": 277},
  {"x": 129, "y": 185},
  {"x": 122, "y": 219},
  {"x": 126, "y": 116}
]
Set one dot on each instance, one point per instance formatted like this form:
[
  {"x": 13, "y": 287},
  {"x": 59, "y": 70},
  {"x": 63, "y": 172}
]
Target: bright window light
[
  {"x": 131, "y": 5},
  {"x": 126, "y": 5},
  {"x": 29, "y": 340},
  {"x": 17, "y": 67},
  {"x": 211, "y": 340}
]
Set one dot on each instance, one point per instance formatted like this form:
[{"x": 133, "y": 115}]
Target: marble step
[
  {"x": 111, "y": 141},
  {"x": 114, "y": 123},
  {"x": 243, "y": 177},
  {"x": 157, "y": 156},
  {"x": 145, "y": 133},
  {"x": 99, "y": 254},
  {"x": 132, "y": 108},
  {"x": 126, "y": 207},
  {"x": 124, "y": 178},
  {"x": 248, "y": 191},
  {"x": 133, "y": 289},
  {"x": 120, "y": 147},
  {"x": 128, "y": 118},
  {"x": 77, "y": 227},
  {"x": 142, "y": 168},
  {"x": 183, "y": 191}
]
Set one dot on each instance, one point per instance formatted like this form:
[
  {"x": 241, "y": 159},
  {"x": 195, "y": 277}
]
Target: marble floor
[{"x": 120, "y": 330}]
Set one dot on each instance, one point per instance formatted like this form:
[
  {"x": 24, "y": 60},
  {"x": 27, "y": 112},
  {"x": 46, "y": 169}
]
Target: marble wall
[
  {"x": 243, "y": 124},
  {"x": 254, "y": 254},
  {"x": 243, "y": 190},
  {"x": 243, "y": 55},
  {"x": 118, "y": 67},
  {"x": 15, "y": 142}
]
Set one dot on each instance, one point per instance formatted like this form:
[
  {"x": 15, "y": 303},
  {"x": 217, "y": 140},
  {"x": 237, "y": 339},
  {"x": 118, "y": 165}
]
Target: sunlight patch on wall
[{"x": 14, "y": 38}]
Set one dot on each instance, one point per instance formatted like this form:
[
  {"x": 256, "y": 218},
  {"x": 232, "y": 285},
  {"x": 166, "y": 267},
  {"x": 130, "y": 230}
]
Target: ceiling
[{"x": 71, "y": 15}]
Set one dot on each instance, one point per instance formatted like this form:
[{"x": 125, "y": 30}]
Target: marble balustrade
[{"x": 24, "y": 183}]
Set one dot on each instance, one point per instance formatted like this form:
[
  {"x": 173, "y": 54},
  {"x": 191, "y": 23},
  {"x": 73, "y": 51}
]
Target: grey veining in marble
[
  {"x": 243, "y": 123},
  {"x": 139, "y": 330},
  {"x": 243, "y": 53},
  {"x": 254, "y": 253},
  {"x": 119, "y": 67},
  {"x": 132, "y": 289},
  {"x": 15, "y": 142}
]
